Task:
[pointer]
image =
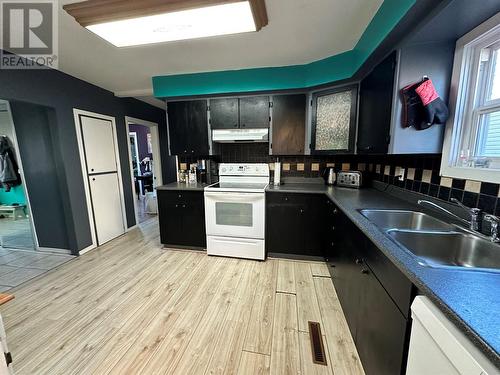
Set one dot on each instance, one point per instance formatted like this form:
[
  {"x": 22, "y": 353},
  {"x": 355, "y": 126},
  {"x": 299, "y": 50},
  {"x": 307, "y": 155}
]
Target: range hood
[{"x": 240, "y": 135}]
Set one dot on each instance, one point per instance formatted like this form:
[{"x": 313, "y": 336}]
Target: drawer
[{"x": 180, "y": 196}]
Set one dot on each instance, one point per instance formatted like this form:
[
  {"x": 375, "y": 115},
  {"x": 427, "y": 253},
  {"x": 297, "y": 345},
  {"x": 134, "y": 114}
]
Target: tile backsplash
[{"x": 421, "y": 172}]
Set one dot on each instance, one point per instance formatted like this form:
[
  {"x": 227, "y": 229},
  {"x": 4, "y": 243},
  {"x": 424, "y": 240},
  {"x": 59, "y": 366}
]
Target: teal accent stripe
[{"x": 330, "y": 69}]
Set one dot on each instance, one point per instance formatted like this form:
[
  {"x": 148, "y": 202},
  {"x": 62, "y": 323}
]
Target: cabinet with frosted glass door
[{"x": 334, "y": 120}]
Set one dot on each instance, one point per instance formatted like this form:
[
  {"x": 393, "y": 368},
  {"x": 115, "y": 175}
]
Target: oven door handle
[{"x": 234, "y": 197}]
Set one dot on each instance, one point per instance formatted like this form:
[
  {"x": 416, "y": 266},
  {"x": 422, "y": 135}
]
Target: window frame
[{"x": 463, "y": 123}]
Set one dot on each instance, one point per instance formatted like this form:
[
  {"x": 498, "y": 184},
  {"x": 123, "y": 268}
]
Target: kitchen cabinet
[
  {"x": 378, "y": 324},
  {"x": 375, "y": 105},
  {"x": 288, "y": 124},
  {"x": 334, "y": 120},
  {"x": 294, "y": 223},
  {"x": 254, "y": 112},
  {"x": 182, "y": 218},
  {"x": 224, "y": 113},
  {"x": 188, "y": 127},
  {"x": 239, "y": 113}
]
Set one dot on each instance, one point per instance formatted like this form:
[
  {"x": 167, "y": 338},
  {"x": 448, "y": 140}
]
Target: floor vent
[{"x": 318, "y": 349}]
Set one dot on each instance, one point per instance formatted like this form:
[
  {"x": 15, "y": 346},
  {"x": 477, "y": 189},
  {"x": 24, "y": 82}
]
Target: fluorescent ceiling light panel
[{"x": 231, "y": 18}]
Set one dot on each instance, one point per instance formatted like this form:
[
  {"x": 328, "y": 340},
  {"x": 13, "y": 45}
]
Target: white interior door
[
  {"x": 98, "y": 143},
  {"x": 106, "y": 204},
  {"x": 98, "y": 138}
]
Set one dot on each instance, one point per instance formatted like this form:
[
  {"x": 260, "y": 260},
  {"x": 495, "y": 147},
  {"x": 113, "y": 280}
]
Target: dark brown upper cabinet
[
  {"x": 334, "y": 120},
  {"x": 254, "y": 112},
  {"x": 224, "y": 113},
  {"x": 188, "y": 127},
  {"x": 288, "y": 124},
  {"x": 375, "y": 108},
  {"x": 239, "y": 113}
]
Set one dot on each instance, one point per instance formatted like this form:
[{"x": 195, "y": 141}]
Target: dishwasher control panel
[{"x": 352, "y": 179}]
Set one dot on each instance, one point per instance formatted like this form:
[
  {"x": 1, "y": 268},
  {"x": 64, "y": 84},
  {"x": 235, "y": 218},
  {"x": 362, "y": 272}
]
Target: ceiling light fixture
[{"x": 135, "y": 22}]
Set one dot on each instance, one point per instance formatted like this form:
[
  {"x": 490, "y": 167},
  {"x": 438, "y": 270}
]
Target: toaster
[{"x": 352, "y": 179}]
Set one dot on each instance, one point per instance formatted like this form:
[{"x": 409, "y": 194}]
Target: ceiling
[{"x": 299, "y": 32}]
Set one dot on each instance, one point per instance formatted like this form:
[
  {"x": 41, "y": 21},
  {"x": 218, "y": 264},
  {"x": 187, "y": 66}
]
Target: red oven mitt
[{"x": 435, "y": 111}]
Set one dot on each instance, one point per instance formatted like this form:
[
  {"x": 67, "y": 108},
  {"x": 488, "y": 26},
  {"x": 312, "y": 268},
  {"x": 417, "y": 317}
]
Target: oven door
[{"x": 234, "y": 214}]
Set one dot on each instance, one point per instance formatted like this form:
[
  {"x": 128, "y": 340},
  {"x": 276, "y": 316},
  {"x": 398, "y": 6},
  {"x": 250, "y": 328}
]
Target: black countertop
[
  {"x": 470, "y": 299},
  {"x": 183, "y": 186}
]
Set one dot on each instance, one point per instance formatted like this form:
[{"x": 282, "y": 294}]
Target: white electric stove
[{"x": 235, "y": 211}]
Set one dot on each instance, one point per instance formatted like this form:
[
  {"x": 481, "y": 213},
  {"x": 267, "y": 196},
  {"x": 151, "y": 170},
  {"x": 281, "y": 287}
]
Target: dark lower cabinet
[
  {"x": 295, "y": 223},
  {"x": 378, "y": 324},
  {"x": 182, "y": 218},
  {"x": 380, "y": 327}
]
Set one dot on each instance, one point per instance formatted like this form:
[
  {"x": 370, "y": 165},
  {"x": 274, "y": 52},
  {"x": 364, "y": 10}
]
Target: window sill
[{"x": 477, "y": 174}]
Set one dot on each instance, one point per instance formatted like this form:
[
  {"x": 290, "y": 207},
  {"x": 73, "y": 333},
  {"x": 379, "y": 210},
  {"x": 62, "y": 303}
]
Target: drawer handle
[
  {"x": 365, "y": 271},
  {"x": 359, "y": 261}
]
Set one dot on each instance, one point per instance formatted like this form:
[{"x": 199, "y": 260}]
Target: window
[{"x": 472, "y": 140}]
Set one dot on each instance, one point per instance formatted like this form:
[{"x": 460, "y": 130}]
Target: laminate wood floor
[{"x": 131, "y": 307}]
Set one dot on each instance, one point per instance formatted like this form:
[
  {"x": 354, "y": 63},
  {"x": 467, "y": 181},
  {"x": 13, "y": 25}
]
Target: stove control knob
[{"x": 223, "y": 170}]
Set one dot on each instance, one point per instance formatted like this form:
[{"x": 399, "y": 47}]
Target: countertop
[
  {"x": 470, "y": 299},
  {"x": 183, "y": 186}
]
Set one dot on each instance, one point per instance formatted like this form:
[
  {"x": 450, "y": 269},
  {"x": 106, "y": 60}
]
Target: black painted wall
[{"x": 68, "y": 221}]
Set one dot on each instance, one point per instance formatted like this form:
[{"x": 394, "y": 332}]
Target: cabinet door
[
  {"x": 197, "y": 129},
  {"x": 254, "y": 112},
  {"x": 381, "y": 329},
  {"x": 347, "y": 249},
  {"x": 177, "y": 127},
  {"x": 224, "y": 113},
  {"x": 313, "y": 225},
  {"x": 283, "y": 228},
  {"x": 375, "y": 106},
  {"x": 289, "y": 124},
  {"x": 334, "y": 120},
  {"x": 170, "y": 219},
  {"x": 193, "y": 222}
]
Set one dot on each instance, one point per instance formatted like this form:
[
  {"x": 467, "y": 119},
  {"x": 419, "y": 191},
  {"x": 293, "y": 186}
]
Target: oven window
[{"x": 236, "y": 214}]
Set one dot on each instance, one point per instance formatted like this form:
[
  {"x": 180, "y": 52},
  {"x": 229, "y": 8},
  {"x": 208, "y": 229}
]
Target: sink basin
[
  {"x": 450, "y": 249},
  {"x": 401, "y": 219}
]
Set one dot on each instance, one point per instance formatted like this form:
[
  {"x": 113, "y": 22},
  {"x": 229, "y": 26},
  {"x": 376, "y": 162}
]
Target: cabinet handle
[
  {"x": 176, "y": 205},
  {"x": 286, "y": 198},
  {"x": 365, "y": 271},
  {"x": 359, "y": 261},
  {"x": 235, "y": 125},
  {"x": 179, "y": 196},
  {"x": 183, "y": 206},
  {"x": 333, "y": 227},
  {"x": 301, "y": 211},
  {"x": 243, "y": 125},
  {"x": 335, "y": 211},
  {"x": 332, "y": 265}
]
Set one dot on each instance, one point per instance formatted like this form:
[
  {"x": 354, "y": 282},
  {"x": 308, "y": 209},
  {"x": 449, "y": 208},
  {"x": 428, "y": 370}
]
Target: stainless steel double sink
[{"x": 435, "y": 243}]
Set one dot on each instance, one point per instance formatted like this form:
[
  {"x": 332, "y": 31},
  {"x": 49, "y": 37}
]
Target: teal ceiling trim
[{"x": 330, "y": 69}]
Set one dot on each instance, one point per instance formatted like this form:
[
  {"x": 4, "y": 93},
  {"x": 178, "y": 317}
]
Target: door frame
[
  {"x": 155, "y": 144},
  {"x": 77, "y": 113}
]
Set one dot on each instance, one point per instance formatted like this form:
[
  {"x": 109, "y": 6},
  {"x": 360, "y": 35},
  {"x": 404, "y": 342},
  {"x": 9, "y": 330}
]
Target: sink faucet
[
  {"x": 495, "y": 221},
  {"x": 475, "y": 213}
]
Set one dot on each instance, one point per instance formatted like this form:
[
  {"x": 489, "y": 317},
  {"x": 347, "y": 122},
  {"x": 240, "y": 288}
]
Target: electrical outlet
[{"x": 401, "y": 176}]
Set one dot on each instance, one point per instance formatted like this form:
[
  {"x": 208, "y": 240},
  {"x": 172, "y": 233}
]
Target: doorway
[
  {"x": 145, "y": 166},
  {"x": 98, "y": 147},
  {"x": 16, "y": 226}
]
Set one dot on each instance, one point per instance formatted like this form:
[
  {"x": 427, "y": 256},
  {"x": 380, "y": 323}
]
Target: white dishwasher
[{"x": 438, "y": 347}]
